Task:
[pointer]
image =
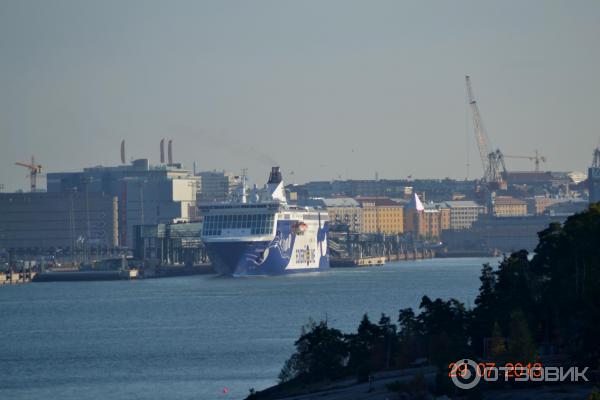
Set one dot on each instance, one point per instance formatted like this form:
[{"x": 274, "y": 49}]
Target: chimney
[
  {"x": 123, "y": 151},
  {"x": 170, "y": 152},
  {"x": 162, "y": 151}
]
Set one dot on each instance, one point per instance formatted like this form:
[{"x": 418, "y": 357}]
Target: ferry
[{"x": 261, "y": 234}]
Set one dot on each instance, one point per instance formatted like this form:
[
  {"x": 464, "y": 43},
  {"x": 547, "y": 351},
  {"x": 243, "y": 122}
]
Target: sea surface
[{"x": 198, "y": 337}]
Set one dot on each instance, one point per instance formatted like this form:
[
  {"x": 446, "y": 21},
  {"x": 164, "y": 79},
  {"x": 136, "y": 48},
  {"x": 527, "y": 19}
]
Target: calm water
[{"x": 189, "y": 338}]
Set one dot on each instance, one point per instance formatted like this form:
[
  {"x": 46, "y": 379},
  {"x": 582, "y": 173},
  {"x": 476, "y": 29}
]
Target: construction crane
[
  {"x": 34, "y": 170},
  {"x": 537, "y": 159},
  {"x": 492, "y": 161}
]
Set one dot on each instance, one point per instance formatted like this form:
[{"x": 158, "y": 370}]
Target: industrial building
[
  {"x": 40, "y": 221},
  {"x": 435, "y": 189},
  {"x": 169, "y": 244},
  {"x": 594, "y": 177},
  {"x": 217, "y": 186},
  {"x": 504, "y": 234},
  {"x": 167, "y": 192}
]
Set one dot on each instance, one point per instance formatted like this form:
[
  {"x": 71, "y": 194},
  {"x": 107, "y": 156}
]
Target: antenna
[
  {"x": 170, "y": 152},
  {"x": 123, "y": 151},
  {"x": 162, "y": 151}
]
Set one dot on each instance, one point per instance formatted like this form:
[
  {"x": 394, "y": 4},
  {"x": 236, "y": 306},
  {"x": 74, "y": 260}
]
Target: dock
[
  {"x": 16, "y": 277},
  {"x": 356, "y": 262},
  {"x": 83, "y": 276}
]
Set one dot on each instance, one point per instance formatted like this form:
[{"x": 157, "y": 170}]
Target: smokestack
[
  {"x": 123, "y": 151},
  {"x": 170, "y": 152},
  {"x": 162, "y": 151}
]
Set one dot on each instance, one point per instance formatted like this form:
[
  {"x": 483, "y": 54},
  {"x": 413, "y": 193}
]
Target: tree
[
  {"x": 521, "y": 347},
  {"x": 497, "y": 344},
  {"x": 320, "y": 354},
  {"x": 482, "y": 317},
  {"x": 443, "y": 324},
  {"x": 388, "y": 338},
  {"x": 361, "y": 346}
]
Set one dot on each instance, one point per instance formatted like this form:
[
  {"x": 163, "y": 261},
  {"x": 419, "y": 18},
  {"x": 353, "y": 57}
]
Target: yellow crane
[
  {"x": 34, "y": 170},
  {"x": 536, "y": 158}
]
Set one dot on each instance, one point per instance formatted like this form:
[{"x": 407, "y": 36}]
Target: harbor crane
[
  {"x": 492, "y": 161},
  {"x": 34, "y": 171},
  {"x": 537, "y": 159}
]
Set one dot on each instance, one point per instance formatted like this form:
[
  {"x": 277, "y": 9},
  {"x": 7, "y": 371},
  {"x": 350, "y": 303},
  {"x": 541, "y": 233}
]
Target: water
[{"x": 200, "y": 337}]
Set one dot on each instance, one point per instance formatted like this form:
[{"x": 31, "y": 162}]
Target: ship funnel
[{"x": 275, "y": 185}]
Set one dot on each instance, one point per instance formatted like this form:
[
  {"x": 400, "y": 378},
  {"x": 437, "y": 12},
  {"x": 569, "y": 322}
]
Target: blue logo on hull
[{"x": 265, "y": 257}]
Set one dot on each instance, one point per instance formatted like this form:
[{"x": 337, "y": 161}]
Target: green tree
[
  {"x": 521, "y": 347},
  {"x": 361, "y": 346},
  {"x": 482, "y": 317},
  {"x": 388, "y": 339},
  {"x": 567, "y": 266},
  {"x": 443, "y": 324},
  {"x": 497, "y": 344},
  {"x": 320, "y": 354}
]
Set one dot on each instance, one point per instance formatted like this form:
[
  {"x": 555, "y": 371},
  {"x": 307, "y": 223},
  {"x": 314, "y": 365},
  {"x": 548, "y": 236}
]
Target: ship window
[{"x": 258, "y": 224}]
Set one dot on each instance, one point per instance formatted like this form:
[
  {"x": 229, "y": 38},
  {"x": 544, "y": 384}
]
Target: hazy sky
[{"x": 325, "y": 88}]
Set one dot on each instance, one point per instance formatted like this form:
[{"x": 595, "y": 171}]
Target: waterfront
[{"x": 191, "y": 337}]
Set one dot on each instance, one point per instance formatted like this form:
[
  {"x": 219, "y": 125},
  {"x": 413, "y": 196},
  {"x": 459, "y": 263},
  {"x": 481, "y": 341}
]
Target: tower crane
[
  {"x": 537, "y": 159},
  {"x": 34, "y": 170},
  {"x": 492, "y": 161}
]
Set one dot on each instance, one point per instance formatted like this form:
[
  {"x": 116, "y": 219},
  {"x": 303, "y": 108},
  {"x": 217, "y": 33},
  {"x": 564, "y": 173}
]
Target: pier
[{"x": 16, "y": 277}]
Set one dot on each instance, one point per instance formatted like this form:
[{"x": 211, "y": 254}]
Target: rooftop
[
  {"x": 378, "y": 201},
  {"x": 462, "y": 203},
  {"x": 340, "y": 202}
]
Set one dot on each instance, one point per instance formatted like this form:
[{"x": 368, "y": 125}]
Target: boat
[{"x": 261, "y": 234}]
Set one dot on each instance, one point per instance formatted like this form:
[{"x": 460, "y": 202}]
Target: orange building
[{"x": 426, "y": 221}]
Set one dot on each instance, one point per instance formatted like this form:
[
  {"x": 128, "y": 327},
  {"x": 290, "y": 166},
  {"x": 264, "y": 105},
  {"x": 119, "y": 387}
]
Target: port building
[
  {"x": 217, "y": 186},
  {"x": 146, "y": 194},
  {"x": 39, "y": 221}
]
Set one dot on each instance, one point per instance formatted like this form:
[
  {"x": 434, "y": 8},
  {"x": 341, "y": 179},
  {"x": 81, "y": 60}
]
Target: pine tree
[
  {"x": 521, "y": 347},
  {"x": 497, "y": 345}
]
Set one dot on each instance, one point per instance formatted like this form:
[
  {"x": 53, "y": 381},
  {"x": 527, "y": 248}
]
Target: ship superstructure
[{"x": 261, "y": 234}]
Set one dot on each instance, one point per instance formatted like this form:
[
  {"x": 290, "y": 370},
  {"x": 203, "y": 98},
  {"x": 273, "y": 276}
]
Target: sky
[{"x": 326, "y": 89}]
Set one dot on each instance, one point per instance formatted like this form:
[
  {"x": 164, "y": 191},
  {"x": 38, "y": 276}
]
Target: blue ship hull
[
  {"x": 246, "y": 258},
  {"x": 274, "y": 257}
]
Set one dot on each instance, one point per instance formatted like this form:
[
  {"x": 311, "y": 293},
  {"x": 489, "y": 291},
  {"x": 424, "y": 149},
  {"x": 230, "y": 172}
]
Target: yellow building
[
  {"x": 507, "y": 206},
  {"x": 381, "y": 215},
  {"x": 435, "y": 219},
  {"x": 344, "y": 211}
]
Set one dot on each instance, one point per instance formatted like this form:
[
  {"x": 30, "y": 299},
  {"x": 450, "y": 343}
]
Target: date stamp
[{"x": 467, "y": 373}]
